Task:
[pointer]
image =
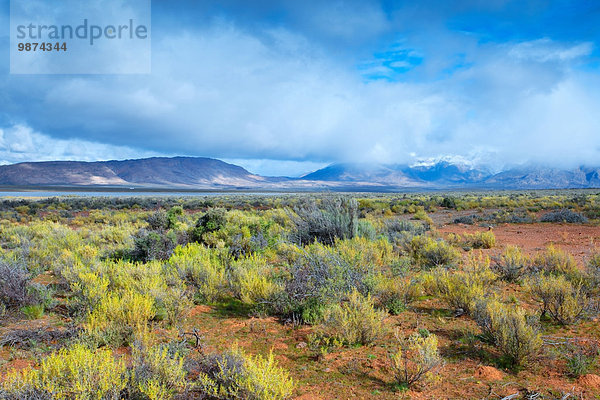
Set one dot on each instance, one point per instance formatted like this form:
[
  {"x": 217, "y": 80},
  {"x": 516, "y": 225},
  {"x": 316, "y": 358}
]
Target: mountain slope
[
  {"x": 207, "y": 173},
  {"x": 158, "y": 171}
]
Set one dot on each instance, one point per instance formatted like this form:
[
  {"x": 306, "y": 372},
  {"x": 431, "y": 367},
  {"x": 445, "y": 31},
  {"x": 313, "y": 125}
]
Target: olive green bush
[
  {"x": 354, "y": 321},
  {"x": 416, "y": 359},
  {"x": 510, "y": 329},
  {"x": 563, "y": 300}
]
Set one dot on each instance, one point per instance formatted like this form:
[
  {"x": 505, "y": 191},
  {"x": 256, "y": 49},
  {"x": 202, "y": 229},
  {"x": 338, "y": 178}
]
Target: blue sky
[{"x": 286, "y": 87}]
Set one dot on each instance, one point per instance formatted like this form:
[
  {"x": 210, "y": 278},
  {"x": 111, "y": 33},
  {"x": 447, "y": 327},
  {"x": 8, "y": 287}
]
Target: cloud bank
[{"x": 287, "y": 89}]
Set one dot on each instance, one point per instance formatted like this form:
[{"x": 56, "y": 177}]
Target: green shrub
[
  {"x": 202, "y": 268},
  {"x": 319, "y": 276},
  {"x": 33, "y": 311},
  {"x": 75, "y": 373},
  {"x": 480, "y": 240},
  {"x": 158, "y": 372},
  {"x": 430, "y": 253},
  {"x": 512, "y": 265},
  {"x": 117, "y": 319},
  {"x": 395, "y": 294},
  {"x": 211, "y": 221},
  {"x": 510, "y": 330},
  {"x": 556, "y": 262},
  {"x": 563, "y": 300},
  {"x": 355, "y": 321},
  {"x": 416, "y": 359},
  {"x": 593, "y": 268},
  {"x": 251, "y": 281},
  {"x": 462, "y": 289},
  {"x": 233, "y": 375}
]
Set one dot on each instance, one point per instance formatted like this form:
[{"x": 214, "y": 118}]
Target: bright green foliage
[
  {"x": 251, "y": 281},
  {"x": 202, "y": 268},
  {"x": 417, "y": 358},
  {"x": 355, "y": 321},
  {"x": 509, "y": 329},
  {"x": 77, "y": 373},
  {"x": 119, "y": 318},
  {"x": 234, "y": 375},
  {"x": 33, "y": 311},
  {"x": 563, "y": 300}
]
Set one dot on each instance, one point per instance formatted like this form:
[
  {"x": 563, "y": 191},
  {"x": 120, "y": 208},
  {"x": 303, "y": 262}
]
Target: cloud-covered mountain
[{"x": 207, "y": 173}]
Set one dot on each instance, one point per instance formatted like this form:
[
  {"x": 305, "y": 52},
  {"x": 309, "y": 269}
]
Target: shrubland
[{"x": 122, "y": 281}]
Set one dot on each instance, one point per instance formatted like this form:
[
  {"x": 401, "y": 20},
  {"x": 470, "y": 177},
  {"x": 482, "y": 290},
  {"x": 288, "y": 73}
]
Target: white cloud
[{"x": 19, "y": 143}]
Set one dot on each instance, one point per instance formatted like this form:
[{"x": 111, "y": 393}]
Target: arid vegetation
[{"x": 421, "y": 296}]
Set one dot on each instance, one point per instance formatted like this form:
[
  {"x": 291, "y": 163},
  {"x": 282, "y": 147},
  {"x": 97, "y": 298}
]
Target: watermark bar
[{"x": 80, "y": 37}]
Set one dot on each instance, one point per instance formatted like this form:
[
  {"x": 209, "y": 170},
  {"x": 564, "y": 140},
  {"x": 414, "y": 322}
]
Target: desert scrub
[
  {"x": 556, "y": 262},
  {"x": 416, "y": 359},
  {"x": 76, "y": 373},
  {"x": 361, "y": 251},
  {"x": 251, "y": 280},
  {"x": 400, "y": 232},
  {"x": 211, "y": 221},
  {"x": 14, "y": 282},
  {"x": 234, "y": 375},
  {"x": 510, "y": 329},
  {"x": 318, "y": 277},
  {"x": 334, "y": 218},
  {"x": 463, "y": 288},
  {"x": 512, "y": 265},
  {"x": 354, "y": 321},
  {"x": 158, "y": 372},
  {"x": 394, "y": 294},
  {"x": 593, "y": 268},
  {"x": 430, "y": 253},
  {"x": 118, "y": 318},
  {"x": 563, "y": 300},
  {"x": 203, "y": 269},
  {"x": 564, "y": 215},
  {"x": 479, "y": 240}
]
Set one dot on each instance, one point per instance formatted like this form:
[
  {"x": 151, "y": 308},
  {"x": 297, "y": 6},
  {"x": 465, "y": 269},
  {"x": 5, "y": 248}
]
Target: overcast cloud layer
[{"x": 284, "y": 88}]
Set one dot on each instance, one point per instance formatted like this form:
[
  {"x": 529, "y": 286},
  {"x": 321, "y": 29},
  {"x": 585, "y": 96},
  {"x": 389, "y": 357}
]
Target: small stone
[{"x": 301, "y": 345}]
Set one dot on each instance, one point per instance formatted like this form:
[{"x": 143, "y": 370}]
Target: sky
[{"x": 287, "y": 87}]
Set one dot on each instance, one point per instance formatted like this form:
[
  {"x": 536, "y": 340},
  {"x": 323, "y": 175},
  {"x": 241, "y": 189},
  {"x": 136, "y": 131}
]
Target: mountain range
[{"x": 207, "y": 173}]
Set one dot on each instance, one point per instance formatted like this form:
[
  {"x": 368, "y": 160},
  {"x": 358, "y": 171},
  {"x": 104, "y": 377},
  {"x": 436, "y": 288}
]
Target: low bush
[
  {"x": 563, "y": 300},
  {"x": 14, "y": 283},
  {"x": 158, "y": 372},
  {"x": 512, "y": 264},
  {"x": 251, "y": 281},
  {"x": 556, "y": 262},
  {"x": 564, "y": 215},
  {"x": 354, "y": 321},
  {"x": 319, "y": 276},
  {"x": 336, "y": 218},
  {"x": 480, "y": 240},
  {"x": 416, "y": 359},
  {"x": 395, "y": 294},
  {"x": 203, "y": 269},
  {"x": 211, "y": 221},
  {"x": 233, "y": 375},
  {"x": 119, "y": 318},
  {"x": 400, "y": 232},
  {"x": 75, "y": 373},
  {"x": 430, "y": 253},
  {"x": 510, "y": 330}
]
